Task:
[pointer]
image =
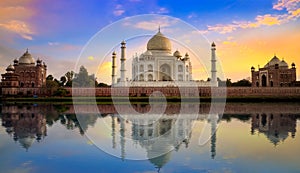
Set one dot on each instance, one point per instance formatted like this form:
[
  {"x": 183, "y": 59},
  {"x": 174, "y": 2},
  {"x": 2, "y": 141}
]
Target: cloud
[
  {"x": 14, "y": 17},
  {"x": 152, "y": 25},
  {"x": 18, "y": 27},
  {"x": 289, "y": 5},
  {"x": 118, "y": 10},
  {"x": 53, "y": 43},
  {"x": 292, "y": 12},
  {"x": 162, "y": 10}
]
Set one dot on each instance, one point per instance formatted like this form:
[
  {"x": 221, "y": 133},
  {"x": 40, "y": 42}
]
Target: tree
[
  {"x": 69, "y": 75},
  {"x": 102, "y": 85},
  {"x": 82, "y": 79},
  {"x": 228, "y": 82},
  {"x": 63, "y": 80},
  {"x": 242, "y": 83},
  {"x": 49, "y": 77}
]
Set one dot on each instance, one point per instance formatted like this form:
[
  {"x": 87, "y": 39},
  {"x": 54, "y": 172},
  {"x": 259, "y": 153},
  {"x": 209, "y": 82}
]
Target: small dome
[
  {"x": 26, "y": 58},
  {"x": 114, "y": 53},
  {"x": 159, "y": 42},
  {"x": 293, "y": 64},
  {"x": 283, "y": 64},
  {"x": 213, "y": 44},
  {"x": 273, "y": 61},
  {"x": 148, "y": 53},
  {"x": 177, "y": 54},
  {"x": 252, "y": 68},
  {"x": 186, "y": 56},
  {"x": 38, "y": 60},
  {"x": 26, "y": 142},
  {"x": 10, "y": 68},
  {"x": 16, "y": 60}
]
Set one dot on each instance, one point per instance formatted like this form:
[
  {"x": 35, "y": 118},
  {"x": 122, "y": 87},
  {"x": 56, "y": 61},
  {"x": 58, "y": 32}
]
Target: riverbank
[{"x": 109, "y": 100}]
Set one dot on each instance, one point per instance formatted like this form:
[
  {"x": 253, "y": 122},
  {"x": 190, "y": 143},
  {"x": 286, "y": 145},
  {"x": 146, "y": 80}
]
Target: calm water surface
[{"x": 49, "y": 138}]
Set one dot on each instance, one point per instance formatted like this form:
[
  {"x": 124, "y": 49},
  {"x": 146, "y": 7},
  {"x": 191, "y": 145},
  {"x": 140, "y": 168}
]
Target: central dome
[
  {"x": 26, "y": 58},
  {"x": 159, "y": 42}
]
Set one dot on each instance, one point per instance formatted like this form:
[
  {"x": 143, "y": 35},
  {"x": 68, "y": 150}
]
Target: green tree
[
  {"x": 102, "y": 85},
  {"x": 51, "y": 84},
  {"x": 70, "y": 76},
  {"x": 82, "y": 79},
  {"x": 228, "y": 82},
  {"x": 242, "y": 83},
  {"x": 49, "y": 77},
  {"x": 63, "y": 80}
]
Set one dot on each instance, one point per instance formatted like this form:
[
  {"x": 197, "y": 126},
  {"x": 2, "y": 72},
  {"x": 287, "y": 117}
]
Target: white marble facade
[{"x": 158, "y": 66}]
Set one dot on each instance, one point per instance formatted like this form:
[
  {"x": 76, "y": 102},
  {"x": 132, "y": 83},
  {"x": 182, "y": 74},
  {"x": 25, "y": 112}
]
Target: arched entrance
[
  {"x": 165, "y": 72},
  {"x": 263, "y": 80}
]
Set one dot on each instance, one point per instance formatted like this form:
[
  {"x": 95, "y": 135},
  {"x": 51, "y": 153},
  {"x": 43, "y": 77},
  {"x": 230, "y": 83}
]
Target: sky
[{"x": 247, "y": 33}]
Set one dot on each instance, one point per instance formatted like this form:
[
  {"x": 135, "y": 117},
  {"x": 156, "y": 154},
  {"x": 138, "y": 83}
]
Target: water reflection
[
  {"x": 25, "y": 124},
  {"x": 276, "y": 127},
  {"x": 154, "y": 135}
]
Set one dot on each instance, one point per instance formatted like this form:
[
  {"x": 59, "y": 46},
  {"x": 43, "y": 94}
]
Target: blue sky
[{"x": 243, "y": 30}]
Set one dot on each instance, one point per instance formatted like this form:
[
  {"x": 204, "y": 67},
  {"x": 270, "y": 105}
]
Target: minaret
[
  {"x": 113, "y": 67},
  {"x": 213, "y": 139},
  {"x": 213, "y": 65},
  {"x": 113, "y": 133},
  {"x": 122, "y": 136},
  {"x": 123, "y": 59}
]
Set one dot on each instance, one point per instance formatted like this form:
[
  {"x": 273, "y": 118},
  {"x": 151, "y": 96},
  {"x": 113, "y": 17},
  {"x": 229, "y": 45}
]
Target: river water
[{"x": 246, "y": 137}]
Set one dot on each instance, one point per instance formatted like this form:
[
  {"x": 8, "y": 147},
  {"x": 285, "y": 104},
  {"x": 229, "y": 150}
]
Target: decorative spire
[
  {"x": 27, "y": 50},
  {"x": 158, "y": 28}
]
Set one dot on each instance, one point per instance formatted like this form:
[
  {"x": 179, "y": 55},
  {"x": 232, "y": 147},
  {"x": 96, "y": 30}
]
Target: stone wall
[{"x": 188, "y": 91}]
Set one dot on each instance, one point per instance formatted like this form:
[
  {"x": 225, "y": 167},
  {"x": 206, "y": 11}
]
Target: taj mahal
[{"x": 159, "y": 67}]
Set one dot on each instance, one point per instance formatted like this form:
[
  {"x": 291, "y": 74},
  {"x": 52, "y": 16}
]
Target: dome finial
[{"x": 158, "y": 28}]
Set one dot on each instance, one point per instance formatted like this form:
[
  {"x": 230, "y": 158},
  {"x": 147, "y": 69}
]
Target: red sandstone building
[
  {"x": 276, "y": 73},
  {"x": 25, "y": 77}
]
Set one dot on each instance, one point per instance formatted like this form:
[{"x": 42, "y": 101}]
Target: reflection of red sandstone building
[
  {"x": 25, "y": 124},
  {"x": 275, "y": 126},
  {"x": 275, "y": 73},
  {"x": 26, "y": 76}
]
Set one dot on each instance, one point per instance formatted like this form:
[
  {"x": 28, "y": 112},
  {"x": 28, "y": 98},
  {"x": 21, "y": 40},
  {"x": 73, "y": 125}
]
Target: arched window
[
  {"x": 187, "y": 68},
  {"x": 150, "y": 77},
  {"x": 180, "y": 68},
  {"x": 141, "y": 68},
  {"x": 271, "y": 83},
  {"x": 180, "y": 77},
  {"x": 150, "y": 68},
  {"x": 22, "y": 84},
  {"x": 141, "y": 77},
  {"x": 264, "y": 81},
  {"x": 32, "y": 84},
  {"x": 257, "y": 84}
]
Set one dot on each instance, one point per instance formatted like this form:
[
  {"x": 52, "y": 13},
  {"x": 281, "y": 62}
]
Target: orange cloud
[
  {"x": 293, "y": 11},
  {"x": 104, "y": 72},
  {"x": 14, "y": 16},
  {"x": 18, "y": 27},
  {"x": 267, "y": 20}
]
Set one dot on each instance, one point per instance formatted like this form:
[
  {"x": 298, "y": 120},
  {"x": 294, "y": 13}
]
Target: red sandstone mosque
[
  {"x": 276, "y": 73},
  {"x": 25, "y": 77}
]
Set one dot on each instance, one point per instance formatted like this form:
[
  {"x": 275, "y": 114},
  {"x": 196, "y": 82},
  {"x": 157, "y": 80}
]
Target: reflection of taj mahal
[
  {"x": 160, "y": 135},
  {"x": 158, "y": 66}
]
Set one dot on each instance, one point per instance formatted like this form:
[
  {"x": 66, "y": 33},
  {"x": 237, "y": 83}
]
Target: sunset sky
[{"x": 247, "y": 32}]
